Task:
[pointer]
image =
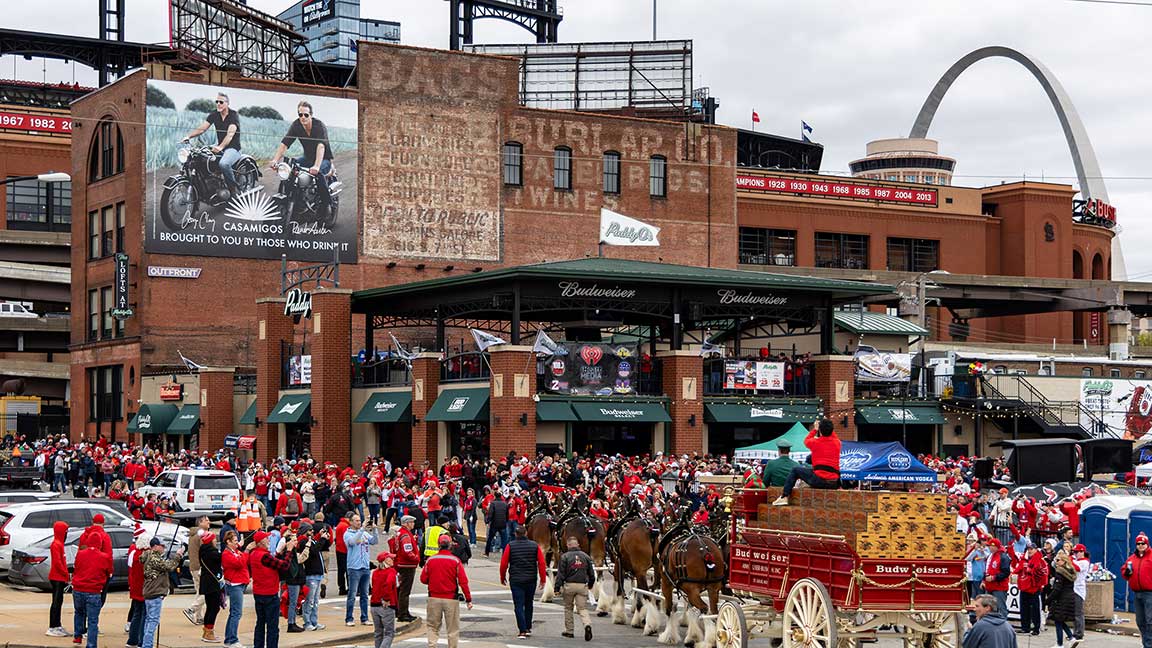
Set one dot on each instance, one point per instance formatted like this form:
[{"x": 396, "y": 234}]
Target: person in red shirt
[
  {"x": 290, "y": 505},
  {"x": 1137, "y": 570},
  {"x": 136, "y": 586},
  {"x": 407, "y": 549},
  {"x": 342, "y": 556},
  {"x": 824, "y": 472},
  {"x": 234, "y": 564},
  {"x": 1031, "y": 576},
  {"x": 444, "y": 574},
  {"x": 58, "y": 577},
  {"x": 89, "y": 577},
  {"x": 1071, "y": 510},
  {"x": 265, "y": 569},
  {"x": 384, "y": 601}
]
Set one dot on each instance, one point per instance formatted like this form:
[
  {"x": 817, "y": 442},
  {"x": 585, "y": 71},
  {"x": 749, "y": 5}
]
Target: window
[
  {"x": 106, "y": 312},
  {"x": 513, "y": 163},
  {"x": 1086, "y": 372},
  {"x": 106, "y": 157},
  {"x": 611, "y": 172},
  {"x": 93, "y": 315},
  {"x": 1114, "y": 373},
  {"x": 107, "y": 231},
  {"x": 121, "y": 538},
  {"x": 1139, "y": 374},
  {"x": 104, "y": 393},
  {"x": 929, "y": 179},
  {"x": 94, "y": 235},
  {"x": 911, "y": 177},
  {"x": 913, "y": 255},
  {"x": 39, "y": 206},
  {"x": 77, "y": 518},
  {"x": 893, "y": 177},
  {"x": 166, "y": 480},
  {"x": 1000, "y": 369},
  {"x": 119, "y": 227},
  {"x": 562, "y": 168},
  {"x": 38, "y": 520},
  {"x": 761, "y": 246},
  {"x": 658, "y": 176},
  {"x": 841, "y": 251}
]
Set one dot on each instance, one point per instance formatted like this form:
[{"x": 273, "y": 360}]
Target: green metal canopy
[
  {"x": 249, "y": 415},
  {"x": 555, "y": 411},
  {"x": 154, "y": 418},
  {"x": 462, "y": 405},
  {"x": 718, "y": 411},
  {"x": 187, "y": 421},
  {"x": 901, "y": 414},
  {"x": 621, "y": 412},
  {"x": 292, "y": 408},
  {"x": 876, "y": 324},
  {"x": 386, "y": 407}
]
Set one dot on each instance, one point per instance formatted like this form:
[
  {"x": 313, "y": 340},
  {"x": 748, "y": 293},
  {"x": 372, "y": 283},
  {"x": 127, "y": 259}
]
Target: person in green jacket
[{"x": 776, "y": 471}]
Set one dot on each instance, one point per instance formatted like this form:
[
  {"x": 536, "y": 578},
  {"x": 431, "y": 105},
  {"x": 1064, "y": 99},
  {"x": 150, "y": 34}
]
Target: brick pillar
[
  {"x": 332, "y": 375},
  {"x": 836, "y": 388},
  {"x": 78, "y": 420},
  {"x": 681, "y": 374},
  {"x": 274, "y": 328},
  {"x": 513, "y": 418},
  {"x": 215, "y": 406},
  {"x": 425, "y": 389}
]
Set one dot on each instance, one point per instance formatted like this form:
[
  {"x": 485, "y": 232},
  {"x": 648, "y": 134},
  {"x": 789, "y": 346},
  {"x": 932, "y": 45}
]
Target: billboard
[
  {"x": 314, "y": 11},
  {"x": 591, "y": 368},
  {"x": 1125, "y": 406},
  {"x": 749, "y": 374},
  {"x": 304, "y": 208},
  {"x": 882, "y": 366}
]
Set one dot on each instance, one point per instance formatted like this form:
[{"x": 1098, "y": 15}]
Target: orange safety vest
[{"x": 248, "y": 519}]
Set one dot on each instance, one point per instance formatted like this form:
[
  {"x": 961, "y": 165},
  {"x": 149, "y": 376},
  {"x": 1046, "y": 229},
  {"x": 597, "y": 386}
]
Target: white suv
[
  {"x": 16, "y": 309},
  {"x": 211, "y": 492},
  {"x": 22, "y": 524}
]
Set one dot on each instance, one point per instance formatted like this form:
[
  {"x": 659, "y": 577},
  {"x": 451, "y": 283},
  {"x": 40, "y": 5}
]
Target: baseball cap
[
  {"x": 155, "y": 542},
  {"x": 444, "y": 541},
  {"x": 260, "y": 536},
  {"x": 384, "y": 555},
  {"x": 207, "y": 538},
  {"x": 1081, "y": 547},
  {"x": 407, "y": 518}
]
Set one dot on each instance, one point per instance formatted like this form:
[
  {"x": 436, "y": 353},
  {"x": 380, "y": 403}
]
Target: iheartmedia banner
[
  {"x": 38, "y": 123},
  {"x": 592, "y": 369},
  {"x": 848, "y": 190}
]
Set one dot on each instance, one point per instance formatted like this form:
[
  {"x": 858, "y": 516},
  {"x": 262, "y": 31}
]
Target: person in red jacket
[
  {"x": 997, "y": 575},
  {"x": 824, "y": 472},
  {"x": 1137, "y": 571},
  {"x": 89, "y": 577},
  {"x": 407, "y": 550},
  {"x": 136, "y": 612},
  {"x": 96, "y": 536},
  {"x": 266, "y": 569},
  {"x": 290, "y": 505},
  {"x": 342, "y": 556},
  {"x": 1031, "y": 576},
  {"x": 385, "y": 598},
  {"x": 58, "y": 577},
  {"x": 234, "y": 564},
  {"x": 444, "y": 574}
]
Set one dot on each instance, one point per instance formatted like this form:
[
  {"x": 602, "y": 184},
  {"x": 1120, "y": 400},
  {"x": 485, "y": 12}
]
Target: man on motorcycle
[
  {"x": 227, "y": 125},
  {"x": 313, "y": 137}
]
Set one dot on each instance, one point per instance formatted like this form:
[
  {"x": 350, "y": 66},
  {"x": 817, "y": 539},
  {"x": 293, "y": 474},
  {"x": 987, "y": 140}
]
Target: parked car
[
  {"x": 31, "y": 566},
  {"x": 211, "y": 492},
  {"x": 22, "y": 477},
  {"x": 19, "y": 497},
  {"x": 25, "y": 523},
  {"x": 16, "y": 309}
]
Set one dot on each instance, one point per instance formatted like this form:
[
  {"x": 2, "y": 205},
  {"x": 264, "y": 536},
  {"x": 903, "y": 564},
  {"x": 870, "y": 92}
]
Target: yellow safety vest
[{"x": 432, "y": 540}]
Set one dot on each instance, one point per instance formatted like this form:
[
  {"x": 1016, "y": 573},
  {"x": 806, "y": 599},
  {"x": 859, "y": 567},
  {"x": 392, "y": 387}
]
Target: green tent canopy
[{"x": 768, "y": 450}]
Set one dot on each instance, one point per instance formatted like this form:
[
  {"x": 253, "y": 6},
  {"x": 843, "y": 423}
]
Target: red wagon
[{"x": 814, "y": 590}]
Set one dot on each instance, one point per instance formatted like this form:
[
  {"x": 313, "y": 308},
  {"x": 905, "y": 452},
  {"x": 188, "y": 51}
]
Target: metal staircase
[{"x": 1037, "y": 413}]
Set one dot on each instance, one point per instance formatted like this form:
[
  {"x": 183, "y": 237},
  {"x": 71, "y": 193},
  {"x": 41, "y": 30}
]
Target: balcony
[
  {"x": 385, "y": 372},
  {"x": 465, "y": 366}
]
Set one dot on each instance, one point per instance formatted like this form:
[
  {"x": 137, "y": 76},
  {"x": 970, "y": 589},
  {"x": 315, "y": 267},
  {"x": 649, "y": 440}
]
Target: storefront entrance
[
  {"x": 628, "y": 439},
  {"x": 724, "y": 438},
  {"x": 394, "y": 442},
  {"x": 297, "y": 440},
  {"x": 469, "y": 440}
]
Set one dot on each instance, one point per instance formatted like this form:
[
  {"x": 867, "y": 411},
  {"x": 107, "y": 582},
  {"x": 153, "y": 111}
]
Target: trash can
[{"x": 1098, "y": 605}]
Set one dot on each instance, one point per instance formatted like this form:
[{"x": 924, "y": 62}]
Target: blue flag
[
  {"x": 804, "y": 130},
  {"x": 352, "y": 44}
]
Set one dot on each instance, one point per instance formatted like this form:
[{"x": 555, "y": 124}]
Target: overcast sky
[{"x": 854, "y": 70}]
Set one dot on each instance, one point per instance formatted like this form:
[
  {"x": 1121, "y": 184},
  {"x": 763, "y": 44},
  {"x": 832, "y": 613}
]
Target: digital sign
[
  {"x": 41, "y": 123},
  {"x": 836, "y": 189}
]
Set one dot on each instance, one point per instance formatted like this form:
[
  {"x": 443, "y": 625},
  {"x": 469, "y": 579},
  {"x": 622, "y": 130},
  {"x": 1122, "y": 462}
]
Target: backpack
[{"x": 292, "y": 507}]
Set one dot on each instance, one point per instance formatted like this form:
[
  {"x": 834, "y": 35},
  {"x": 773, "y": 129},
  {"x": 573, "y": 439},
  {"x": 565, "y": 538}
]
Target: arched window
[
  {"x": 611, "y": 172},
  {"x": 658, "y": 176},
  {"x": 1098, "y": 266},
  {"x": 513, "y": 163},
  {"x": 106, "y": 157},
  {"x": 1077, "y": 265},
  {"x": 562, "y": 168}
]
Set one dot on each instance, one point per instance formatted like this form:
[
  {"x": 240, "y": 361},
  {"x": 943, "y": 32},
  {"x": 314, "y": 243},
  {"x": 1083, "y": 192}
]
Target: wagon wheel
[
  {"x": 809, "y": 616},
  {"x": 949, "y": 631},
  {"x": 731, "y": 626}
]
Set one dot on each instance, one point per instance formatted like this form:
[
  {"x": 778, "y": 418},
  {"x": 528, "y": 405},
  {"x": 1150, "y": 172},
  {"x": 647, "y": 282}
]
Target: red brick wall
[
  {"x": 512, "y": 366},
  {"x": 331, "y": 375},
  {"x": 686, "y": 401},
  {"x": 838, "y": 403},
  {"x": 216, "y": 416},
  {"x": 425, "y": 389},
  {"x": 276, "y": 329}
]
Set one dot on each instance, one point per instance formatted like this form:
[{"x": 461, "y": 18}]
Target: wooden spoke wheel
[
  {"x": 731, "y": 626},
  {"x": 809, "y": 618},
  {"x": 949, "y": 630}
]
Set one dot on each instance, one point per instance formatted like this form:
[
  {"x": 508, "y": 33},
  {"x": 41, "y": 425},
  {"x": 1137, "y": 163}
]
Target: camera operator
[{"x": 314, "y": 542}]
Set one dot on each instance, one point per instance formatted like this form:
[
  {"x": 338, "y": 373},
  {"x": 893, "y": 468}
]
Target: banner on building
[
  {"x": 1124, "y": 407},
  {"x": 753, "y": 375},
  {"x": 193, "y": 209},
  {"x": 122, "y": 306},
  {"x": 300, "y": 370},
  {"x": 882, "y": 366},
  {"x": 587, "y": 368}
]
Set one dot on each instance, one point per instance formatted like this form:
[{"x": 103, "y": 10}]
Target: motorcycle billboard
[{"x": 232, "y": 172}]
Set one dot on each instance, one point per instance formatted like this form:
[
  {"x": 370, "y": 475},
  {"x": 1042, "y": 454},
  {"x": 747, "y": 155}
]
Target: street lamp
[{"x": 51, "y": 176}]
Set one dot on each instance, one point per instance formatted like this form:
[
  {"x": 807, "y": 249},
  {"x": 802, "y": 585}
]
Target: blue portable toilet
[
  {"x": 1116, "y": 550},
  {"x": 1139, "y": 521},
  {"x": 1093, "y": 514}
]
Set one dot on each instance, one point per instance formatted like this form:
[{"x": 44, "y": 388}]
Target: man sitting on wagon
[{"x": 824, "y": 472}]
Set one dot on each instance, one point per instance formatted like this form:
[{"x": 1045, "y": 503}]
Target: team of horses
[{"x": 682, "y": 557}]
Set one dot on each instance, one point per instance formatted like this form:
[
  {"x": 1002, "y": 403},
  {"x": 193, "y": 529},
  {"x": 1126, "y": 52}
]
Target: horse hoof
[
  {"x": 690, "y": 644},
  {"x": 601, "y": 614}
]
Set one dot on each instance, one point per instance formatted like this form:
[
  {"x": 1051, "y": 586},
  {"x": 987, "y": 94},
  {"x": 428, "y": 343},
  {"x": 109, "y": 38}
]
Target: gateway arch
[{"x": 1083, "y": 156}]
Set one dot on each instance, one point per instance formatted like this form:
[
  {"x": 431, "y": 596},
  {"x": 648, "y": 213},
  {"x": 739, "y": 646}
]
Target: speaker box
[{"x": 982, "y": 470}]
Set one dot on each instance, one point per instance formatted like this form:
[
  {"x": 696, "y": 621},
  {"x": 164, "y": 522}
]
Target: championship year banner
[
  {"x": 589, "y": 368},
  {"x": 833, "y": 189}
]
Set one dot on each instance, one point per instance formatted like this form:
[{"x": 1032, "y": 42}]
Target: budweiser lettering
[
  {"x": 574, "y": 289},
  {"x": 898, "y": 570},
  {"x": 728, "y": 296}
]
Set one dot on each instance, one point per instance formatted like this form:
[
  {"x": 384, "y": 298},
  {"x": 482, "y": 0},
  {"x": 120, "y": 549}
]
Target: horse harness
[{"x": 676, "y": 566}]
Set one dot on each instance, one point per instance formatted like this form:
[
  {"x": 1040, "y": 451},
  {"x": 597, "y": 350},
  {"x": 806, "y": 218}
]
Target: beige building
[{"x": 904, "y": 159}]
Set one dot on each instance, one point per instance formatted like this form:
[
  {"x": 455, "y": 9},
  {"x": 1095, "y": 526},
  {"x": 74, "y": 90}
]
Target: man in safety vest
[
  {"x": 432, "y": 537},
  {"x": 248, "y": 515}
]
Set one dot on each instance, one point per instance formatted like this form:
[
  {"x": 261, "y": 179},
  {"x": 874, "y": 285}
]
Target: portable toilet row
[{"x": 1109, "y": 525}]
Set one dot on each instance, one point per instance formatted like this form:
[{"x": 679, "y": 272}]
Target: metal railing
[
  {"x": 799, "y": 379},
  {"x": 465, "y": 366},
  {"x": 387, "y": 372},
  {"x": 1052, "y": 412}
]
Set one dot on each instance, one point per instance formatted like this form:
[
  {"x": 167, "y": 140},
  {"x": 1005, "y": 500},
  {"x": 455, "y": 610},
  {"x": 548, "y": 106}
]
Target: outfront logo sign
[{"x": 458, "y": 404}]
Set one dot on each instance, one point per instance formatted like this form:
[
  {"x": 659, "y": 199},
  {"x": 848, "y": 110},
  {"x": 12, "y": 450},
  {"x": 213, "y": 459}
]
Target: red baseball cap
[
  {"x": 1084, "y": 549},
  {"x": 260, "y": 536}
]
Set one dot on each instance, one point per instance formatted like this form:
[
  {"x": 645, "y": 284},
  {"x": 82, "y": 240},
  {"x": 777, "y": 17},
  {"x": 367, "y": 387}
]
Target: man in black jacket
[
  {"x": 496, "y": 519},
  {"x": 575, "y": 576},
  {"x": 316, "y": 541},
  {"x": 338, "y": 504},
  {"x": 522, "y": 561}
]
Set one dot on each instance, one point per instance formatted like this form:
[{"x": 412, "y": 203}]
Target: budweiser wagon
[{"x": 829, "y": 570}]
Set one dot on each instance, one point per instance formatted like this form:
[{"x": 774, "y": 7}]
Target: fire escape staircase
[{"x": 1016, "y": 406}]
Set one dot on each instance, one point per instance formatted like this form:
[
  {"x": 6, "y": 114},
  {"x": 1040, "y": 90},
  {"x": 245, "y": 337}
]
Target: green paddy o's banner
[{"x": 592, "y": 369}]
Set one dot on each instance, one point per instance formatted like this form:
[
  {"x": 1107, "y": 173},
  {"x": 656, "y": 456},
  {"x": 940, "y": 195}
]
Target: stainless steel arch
[{"x": 1083, "y": 156}]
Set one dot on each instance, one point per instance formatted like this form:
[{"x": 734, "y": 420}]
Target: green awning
[
  {"x": 897, "y": 414},
  {"x": 460, "y": 405},
  {"x": 555, "y": 411},
  {"x": 186, "y": 421},
  {"x": 867, "y": 322},
  {"x": 621, "y": 412},
  {"x": 155, "y": 418},
  {"x": 292, "y": 408},
  {"x": 386, "y": 407},
  {"x": 132, "y": 424},
  {"x": 249, "y": 415},
  {"x": 762, "y": 412}
]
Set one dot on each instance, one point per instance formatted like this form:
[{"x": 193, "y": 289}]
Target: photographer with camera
[
  {"x": 314, "y": 542},
  {"x": 357, "y": 539}
]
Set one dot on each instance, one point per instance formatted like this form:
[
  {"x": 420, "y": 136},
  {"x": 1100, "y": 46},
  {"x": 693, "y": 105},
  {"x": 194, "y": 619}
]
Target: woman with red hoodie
[
  {"x": 136, "y": 586},
  {"x": 58, "y": 577}
]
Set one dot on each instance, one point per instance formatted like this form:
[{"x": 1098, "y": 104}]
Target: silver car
[{"x": 31, "y": 565}]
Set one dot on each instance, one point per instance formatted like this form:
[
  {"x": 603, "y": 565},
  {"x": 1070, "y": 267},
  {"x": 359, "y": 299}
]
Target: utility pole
[{"x": 653, "y": 19}]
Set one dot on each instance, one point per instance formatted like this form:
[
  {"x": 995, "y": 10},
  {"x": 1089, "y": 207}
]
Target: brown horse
[
  {"x": 633, "y": 552},
  {"x": 589, "y": 532},
  {"x": 693, "y": 564}
]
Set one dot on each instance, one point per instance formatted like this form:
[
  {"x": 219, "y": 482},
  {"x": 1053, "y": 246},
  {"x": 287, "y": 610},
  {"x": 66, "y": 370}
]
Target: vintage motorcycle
[
  {"x": 300, "y": 199},
  {"x": 201, "y": 183}
]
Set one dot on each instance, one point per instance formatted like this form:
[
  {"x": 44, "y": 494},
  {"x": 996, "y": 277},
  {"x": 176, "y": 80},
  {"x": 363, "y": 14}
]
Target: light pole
[{"x": 51, "y": 176}]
